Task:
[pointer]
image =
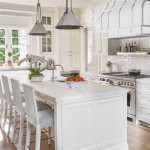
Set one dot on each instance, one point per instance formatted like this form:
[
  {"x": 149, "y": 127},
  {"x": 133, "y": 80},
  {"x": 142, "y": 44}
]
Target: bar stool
[
  {"x": 2, "y": 102},
  {"x": 8, "y": 103},
  {"x": 39, "y": 119},
  {"x": 20, "y": 107}
]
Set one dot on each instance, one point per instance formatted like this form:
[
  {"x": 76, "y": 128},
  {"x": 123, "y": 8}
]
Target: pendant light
[
  {"x": 68, "y": 21},
  {"x": 38, "y": 29}
]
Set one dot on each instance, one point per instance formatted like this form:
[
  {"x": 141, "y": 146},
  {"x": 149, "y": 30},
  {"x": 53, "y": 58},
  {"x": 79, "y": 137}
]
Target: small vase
[
  {"x": 36, "y": 78},
  {"x": 9, "y": 63},
  {"x": 110, "y": 70}
]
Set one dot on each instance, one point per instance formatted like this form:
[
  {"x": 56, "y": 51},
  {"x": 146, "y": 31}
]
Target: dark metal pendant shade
[
  {"x": 38, "y": 29},
  {"x": 68, "y": 21}
]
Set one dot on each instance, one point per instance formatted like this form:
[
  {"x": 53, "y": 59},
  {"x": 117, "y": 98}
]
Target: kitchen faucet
[{"x": 53, "y": 69}]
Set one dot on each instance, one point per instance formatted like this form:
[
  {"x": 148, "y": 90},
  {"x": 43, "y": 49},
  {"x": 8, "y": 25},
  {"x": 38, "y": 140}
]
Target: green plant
[
  {"x": 35, "y": 71},
  {"x": 9, "y": 54},
  {"x": 16, "y": 57},
  {"x": 1, "y": 56}
]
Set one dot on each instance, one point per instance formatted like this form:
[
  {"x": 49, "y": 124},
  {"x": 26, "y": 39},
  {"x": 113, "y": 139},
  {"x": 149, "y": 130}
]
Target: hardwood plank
[{"x": 138, "y": 139}]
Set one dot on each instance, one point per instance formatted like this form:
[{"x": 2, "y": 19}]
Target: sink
[
  {"x": 69, "y": 73},
  {"x": 60, "y": 81}
]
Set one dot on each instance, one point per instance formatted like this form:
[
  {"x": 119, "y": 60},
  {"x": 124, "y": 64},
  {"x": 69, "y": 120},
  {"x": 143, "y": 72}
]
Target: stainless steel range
[{"x": 124, "y": 80}]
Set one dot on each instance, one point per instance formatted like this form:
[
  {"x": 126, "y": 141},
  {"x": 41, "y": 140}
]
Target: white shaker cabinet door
[
  {"x": 77, "y": 126},
  {"x": 97, "y": 36},
  {"x": 64, "y": 46},
  {"x": 69, "y": 50},
  {"x": 98, "y": 123}
]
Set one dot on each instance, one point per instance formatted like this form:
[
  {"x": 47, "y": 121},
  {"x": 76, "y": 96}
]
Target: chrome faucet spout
[{"x": 53, "y": 71}]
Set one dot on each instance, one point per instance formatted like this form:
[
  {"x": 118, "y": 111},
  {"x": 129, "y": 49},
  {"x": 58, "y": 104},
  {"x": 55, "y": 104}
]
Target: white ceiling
[{"x": 50, "y": 3}]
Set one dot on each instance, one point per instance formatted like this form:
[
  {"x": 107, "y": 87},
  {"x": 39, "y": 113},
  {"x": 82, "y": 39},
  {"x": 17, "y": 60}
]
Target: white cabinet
[
  {"x": 69, "y": 49},
  {"x": 97, "y": 36},
  {"x": 96, "y": 11},
  {"x": 143, "y": 102},
  {"x": 89, "y": 125}
]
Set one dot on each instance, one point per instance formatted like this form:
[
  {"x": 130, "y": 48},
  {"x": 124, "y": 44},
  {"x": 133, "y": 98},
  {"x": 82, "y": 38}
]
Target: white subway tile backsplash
[{"x": 124, "y": 63}]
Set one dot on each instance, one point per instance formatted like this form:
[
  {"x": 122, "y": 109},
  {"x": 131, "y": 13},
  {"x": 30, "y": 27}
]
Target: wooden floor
[{"x": 138, "y": 139}]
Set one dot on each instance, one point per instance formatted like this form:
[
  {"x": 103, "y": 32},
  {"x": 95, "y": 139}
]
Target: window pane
[
  {"x": 49, "y": 48},
  {"x": 14, "y": 33},
  {"x": 44, "y": 20},
  {"x": 16, "y": 54},
  {"x": 49, "y": 34},
  {"x": 43, "y": 40},
  {"x": 48, "y": 20},
  {"x": 2, "y": 32},
  {"x": 2, "y": 41},
  {"x": 48, "y": 41},
  {"x": 15, "y": 41},
  {"x": 2, "y": 54},
  {"x": 44, "y": 48},
  {"x": 15, "y": 50}
]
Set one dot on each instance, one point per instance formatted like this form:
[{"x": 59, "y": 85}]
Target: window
[
  {"x": 2, "y": 45},
  {"x": 46, "y": 20},
  {"x": 47, "y": 42},
  {"x": 19, "y": 44},
  {"x": 14, "y": 41}
]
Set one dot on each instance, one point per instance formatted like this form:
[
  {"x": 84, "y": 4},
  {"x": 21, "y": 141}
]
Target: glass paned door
[
  {"x": 2, "y": 44},
  {"x": 13, "y": 42},
  {"x": 19, "y": 44},
  {"x": 47, "y": 42}
]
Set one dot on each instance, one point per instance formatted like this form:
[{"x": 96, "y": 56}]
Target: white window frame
[{"x": 8, "y": 40}]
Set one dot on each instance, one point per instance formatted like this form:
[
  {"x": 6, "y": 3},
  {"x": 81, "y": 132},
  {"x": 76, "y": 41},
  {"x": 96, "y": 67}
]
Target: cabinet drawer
[
  {"x": 143, "y": 88},
  {"x": 144, "y": 113},
  {"x": 143, "y": 99}
]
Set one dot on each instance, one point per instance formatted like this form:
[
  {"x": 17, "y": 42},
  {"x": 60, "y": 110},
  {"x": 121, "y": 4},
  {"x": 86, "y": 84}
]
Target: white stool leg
[
  {"x": 2, "y": 108},
  {"x": 10, "y": 120},
  {"x": 28, "y": 136},
  {"x": 14, "y": 127},
  {"x": 5, "y": 114},
  {"x": 49, "y": 135},
  {"x": 21, "y": 130},
  {"x": 38, "y": 137}
]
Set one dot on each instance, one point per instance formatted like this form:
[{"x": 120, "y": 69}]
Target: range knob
[
  {"x": 103, "y": 79},
  {"x": 107, "y": 80},
  {"x": 111, "y": 82},
  {"x": 124, "y": 83},
  {"x": 119, "y": 82},
  {"x": 130, "y": 83}
]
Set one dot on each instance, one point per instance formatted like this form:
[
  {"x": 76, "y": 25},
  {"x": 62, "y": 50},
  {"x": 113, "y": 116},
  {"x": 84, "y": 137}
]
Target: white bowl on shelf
[{"x": 73, "y": 84}]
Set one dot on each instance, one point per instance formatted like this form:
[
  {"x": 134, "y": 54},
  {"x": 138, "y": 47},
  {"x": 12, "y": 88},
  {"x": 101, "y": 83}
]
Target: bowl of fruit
[{"x": 74, "y": 82}]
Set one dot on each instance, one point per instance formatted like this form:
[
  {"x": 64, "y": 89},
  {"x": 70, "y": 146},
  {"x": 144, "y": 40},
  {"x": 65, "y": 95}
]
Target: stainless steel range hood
[{"x": 68, "y": 21}]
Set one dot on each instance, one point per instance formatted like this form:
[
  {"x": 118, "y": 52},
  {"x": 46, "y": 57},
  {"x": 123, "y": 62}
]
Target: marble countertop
[{"x": 60, "y": 92}]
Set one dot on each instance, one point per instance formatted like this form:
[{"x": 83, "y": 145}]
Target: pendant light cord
[
  {"x": 71, "y": 4},
  {"x": 66, "y": 5},
  {"x": 38, "y": 12}
]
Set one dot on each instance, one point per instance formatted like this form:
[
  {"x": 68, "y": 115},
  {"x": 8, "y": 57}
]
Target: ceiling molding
[{"x": 48, "y": 3}]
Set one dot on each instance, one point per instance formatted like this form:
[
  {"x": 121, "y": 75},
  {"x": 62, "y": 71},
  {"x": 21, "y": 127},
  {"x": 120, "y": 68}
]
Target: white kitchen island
[{"x": 91, "y": 117}]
